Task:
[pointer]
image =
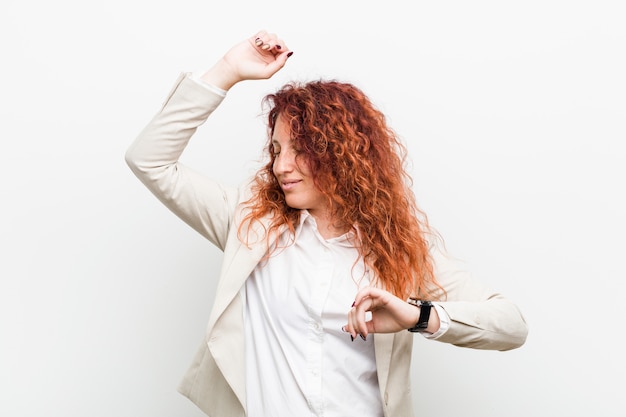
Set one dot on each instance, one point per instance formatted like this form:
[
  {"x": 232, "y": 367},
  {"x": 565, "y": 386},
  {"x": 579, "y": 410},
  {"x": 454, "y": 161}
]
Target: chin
[{"x": 293, "y": 205}]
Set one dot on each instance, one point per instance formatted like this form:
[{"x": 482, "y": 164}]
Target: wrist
[
  {"x": 220, "y": 75},
  {"x": 426, "y": 314}
]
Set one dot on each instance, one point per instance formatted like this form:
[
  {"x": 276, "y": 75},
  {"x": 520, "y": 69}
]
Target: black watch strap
[{"x": 422, "y": 322}]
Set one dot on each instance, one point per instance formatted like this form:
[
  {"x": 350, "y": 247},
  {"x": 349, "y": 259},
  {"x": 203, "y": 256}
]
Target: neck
[{"x": 327, "y": 227}]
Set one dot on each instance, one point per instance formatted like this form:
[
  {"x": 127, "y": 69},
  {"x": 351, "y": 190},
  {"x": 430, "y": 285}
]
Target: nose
[{"x": 284, "y": 162}]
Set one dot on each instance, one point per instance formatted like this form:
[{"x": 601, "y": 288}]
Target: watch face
[{"x": 418, "y": 303}]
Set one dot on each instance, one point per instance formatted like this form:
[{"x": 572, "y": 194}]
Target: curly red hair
[{"x": 358, "y": 163}]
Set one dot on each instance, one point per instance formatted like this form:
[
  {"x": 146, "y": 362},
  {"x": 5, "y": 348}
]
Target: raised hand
[{"x": 258, "y": 57}]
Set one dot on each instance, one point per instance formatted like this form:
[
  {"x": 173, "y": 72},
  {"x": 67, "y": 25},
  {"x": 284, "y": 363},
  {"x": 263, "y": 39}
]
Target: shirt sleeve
[{"x": 196, "y": 77}]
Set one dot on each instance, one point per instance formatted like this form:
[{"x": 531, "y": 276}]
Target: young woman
[{"x": 327, "y": 259}]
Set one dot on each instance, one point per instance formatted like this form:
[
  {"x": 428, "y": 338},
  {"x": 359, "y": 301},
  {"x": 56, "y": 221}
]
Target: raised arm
[{"x": 204, "y": 204}]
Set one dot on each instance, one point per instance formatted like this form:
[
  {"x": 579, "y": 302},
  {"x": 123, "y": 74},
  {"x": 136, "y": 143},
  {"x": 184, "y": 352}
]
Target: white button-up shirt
[{"x": 298, "y": 360}]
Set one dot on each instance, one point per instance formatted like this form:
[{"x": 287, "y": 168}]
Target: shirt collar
[{"x": 308, "y": 221}]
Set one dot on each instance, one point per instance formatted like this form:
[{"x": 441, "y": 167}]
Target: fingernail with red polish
[
  {"x": 362, "y": 337},
  {"x": 289, "y": 54},
  {"x": 353, "y": 303}
]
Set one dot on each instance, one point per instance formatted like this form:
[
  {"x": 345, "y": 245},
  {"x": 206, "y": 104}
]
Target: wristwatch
[{"x": 422, "y": 322}]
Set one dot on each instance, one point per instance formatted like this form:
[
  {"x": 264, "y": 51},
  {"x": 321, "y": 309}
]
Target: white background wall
[{"x": 515, "y": 118}]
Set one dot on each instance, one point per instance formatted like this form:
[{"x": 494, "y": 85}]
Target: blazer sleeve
[
  {"x": 205, "y": 205},
  {"x": 480, "y": 317}
]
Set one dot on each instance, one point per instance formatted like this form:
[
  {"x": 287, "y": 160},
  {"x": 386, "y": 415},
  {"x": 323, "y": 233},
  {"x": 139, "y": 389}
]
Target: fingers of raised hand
[{"x": 268, "y": 42}]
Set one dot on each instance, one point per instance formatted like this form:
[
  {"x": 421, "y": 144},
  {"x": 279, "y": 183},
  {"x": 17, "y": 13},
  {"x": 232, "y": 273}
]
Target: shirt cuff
[{"x": 196, "y": 77}]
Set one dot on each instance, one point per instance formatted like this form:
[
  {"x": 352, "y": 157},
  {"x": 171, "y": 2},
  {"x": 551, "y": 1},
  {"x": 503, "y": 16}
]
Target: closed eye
[{"x": 275, "y": 150}]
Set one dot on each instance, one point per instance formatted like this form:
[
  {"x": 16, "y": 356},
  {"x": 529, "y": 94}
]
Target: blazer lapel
[
  {"x": 238, "y": 263},
  {"x": 225, "y": 335}
]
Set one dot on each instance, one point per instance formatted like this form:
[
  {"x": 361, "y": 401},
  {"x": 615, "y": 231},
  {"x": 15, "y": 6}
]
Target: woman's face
[{"x": 294, "y": 176}]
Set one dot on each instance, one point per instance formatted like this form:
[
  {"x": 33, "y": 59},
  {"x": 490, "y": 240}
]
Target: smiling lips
[{"x": 289, "y": 184}]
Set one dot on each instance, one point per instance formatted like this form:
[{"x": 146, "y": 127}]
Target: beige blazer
[{"x": 215, "y": 382}]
